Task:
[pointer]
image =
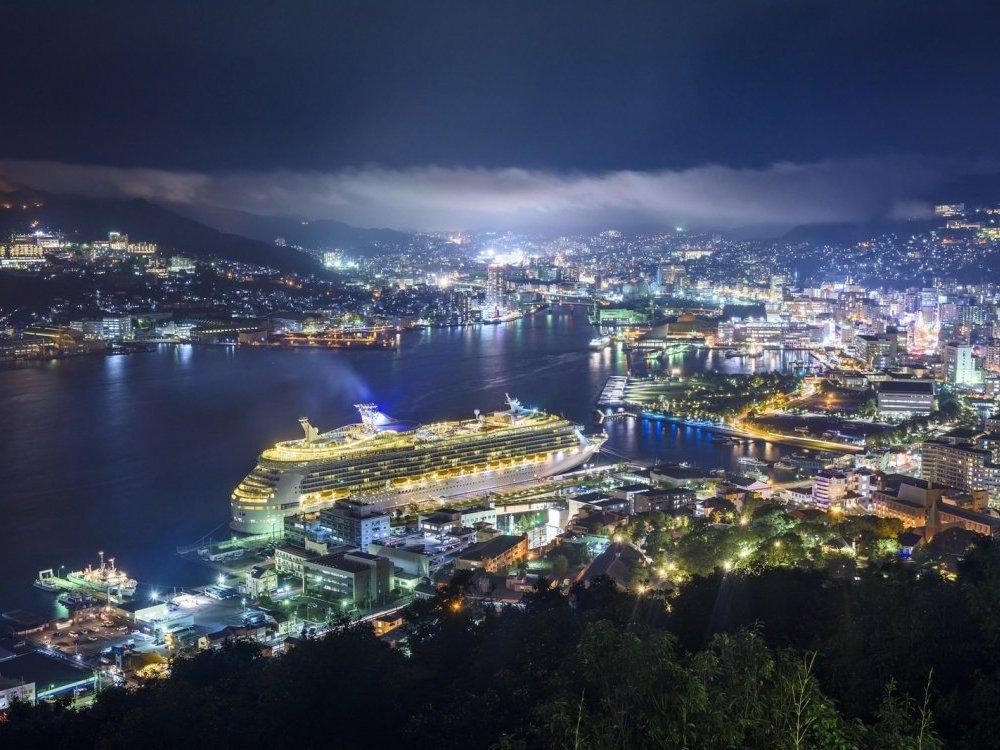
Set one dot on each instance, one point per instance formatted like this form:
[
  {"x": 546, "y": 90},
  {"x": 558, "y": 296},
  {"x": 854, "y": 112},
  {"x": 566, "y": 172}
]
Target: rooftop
[
  {"x": 491, "y": 548},
  {"x": 340, "y": 562},
  {"x": 925, "y": 387}
]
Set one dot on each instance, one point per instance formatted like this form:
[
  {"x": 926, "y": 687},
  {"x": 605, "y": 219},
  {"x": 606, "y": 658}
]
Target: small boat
[
  {"x": 723, "y": 440},
  {"x": 73, "y": 600},
  {"x": 46, "y": 580},
  {"x": 599, "y": 343}
]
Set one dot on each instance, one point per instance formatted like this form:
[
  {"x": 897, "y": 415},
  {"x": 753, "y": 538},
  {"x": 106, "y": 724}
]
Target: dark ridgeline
[
  {"x": 85, "y": 219},
  {"x": 783, "y": 658}
]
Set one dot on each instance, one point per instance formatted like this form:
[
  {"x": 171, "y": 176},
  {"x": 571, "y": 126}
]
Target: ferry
[
  {"x": 383, "y": 463},
  {"x": 752, "y": 461}
]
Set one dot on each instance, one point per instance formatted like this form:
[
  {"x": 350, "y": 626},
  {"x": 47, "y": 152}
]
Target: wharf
[{"x": 613, "y": 393}]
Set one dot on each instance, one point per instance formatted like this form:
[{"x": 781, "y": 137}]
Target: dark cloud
[
  {"x": 432, "y": 197},
  {"x": 561, "y": 84}
]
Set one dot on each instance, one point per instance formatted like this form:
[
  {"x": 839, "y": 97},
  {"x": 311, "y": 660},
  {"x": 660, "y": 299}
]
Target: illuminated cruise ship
[{"x": 386, "y": 464}]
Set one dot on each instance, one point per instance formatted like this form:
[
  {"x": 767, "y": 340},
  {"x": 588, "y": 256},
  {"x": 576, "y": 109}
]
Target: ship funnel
[{"x": 311, "y": 432}]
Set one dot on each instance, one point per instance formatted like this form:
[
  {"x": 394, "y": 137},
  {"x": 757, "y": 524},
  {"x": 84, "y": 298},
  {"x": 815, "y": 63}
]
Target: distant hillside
[
  {"x": 86, "y": 219},
  {"x": 324, "y": 234},
  {"x": 848, "y": 233}
]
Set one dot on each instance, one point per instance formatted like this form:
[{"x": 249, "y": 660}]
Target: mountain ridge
[{"x": 86, "y": 219}]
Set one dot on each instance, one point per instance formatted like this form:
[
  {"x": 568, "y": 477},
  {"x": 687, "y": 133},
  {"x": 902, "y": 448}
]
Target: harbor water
[{"x": 135, "y": 455}]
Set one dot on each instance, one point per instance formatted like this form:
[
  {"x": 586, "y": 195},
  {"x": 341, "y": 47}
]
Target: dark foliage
[{"x": 780, "y": 658}]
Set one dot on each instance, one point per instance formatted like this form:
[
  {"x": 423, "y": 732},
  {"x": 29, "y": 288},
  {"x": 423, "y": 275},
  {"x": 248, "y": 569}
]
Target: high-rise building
[
  {"x": 960, "y": 365},
  {"x": 992, "y": 359},
  {"x": 963, "y": 460},
  {"x": 496, "y": 286},
  {"x": 879, "y": 351}
]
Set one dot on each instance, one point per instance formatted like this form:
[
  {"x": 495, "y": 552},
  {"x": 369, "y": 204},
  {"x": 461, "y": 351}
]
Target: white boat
[
  {"x": 105, "y": 578},
  {"x": 46, "y": 580},
  {"x": 599, "y": 343},
  {"x": 385, "y": 464}
]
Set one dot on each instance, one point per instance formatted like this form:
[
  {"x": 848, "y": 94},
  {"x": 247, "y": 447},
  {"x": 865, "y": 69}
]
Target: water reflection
[{"x": 138, "y": 454}]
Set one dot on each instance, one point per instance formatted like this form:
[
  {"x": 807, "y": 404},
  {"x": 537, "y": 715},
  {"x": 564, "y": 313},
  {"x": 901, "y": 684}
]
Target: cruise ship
[{"x": 387, "y": 464}]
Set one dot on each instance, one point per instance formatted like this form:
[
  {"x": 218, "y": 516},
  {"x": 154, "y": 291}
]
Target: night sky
[{"x": 299, "y": 91}]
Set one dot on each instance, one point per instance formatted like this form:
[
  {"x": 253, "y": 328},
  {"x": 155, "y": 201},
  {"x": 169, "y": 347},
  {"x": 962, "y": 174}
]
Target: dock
[{"x": 613, "y": 393}]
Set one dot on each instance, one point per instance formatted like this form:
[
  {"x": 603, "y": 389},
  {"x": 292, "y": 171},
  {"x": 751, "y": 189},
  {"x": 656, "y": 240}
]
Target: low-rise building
[
  {"x": 905, "y": 398},
  {"x": 261, "y": 581},
  {"x": 918, "y": 503},
  {"x": 291, "y": 559},
  {"x": 495, "y": 555},
  {"x": 354, "y": 523},
  {"x": 15, "y": 690},
  {"x": 355, "y": 579}
]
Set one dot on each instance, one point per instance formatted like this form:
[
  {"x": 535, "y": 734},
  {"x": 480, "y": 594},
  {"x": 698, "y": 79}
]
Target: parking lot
[{"x": 89, "y": 634}]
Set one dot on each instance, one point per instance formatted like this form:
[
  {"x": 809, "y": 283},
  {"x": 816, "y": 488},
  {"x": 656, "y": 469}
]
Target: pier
[{"x": 614, "y": 391}]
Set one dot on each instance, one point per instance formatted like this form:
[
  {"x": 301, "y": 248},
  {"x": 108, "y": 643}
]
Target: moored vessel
[
  {"x": 105, "y": 578},
  {"x": 387, "y": 464}
]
